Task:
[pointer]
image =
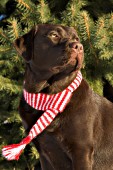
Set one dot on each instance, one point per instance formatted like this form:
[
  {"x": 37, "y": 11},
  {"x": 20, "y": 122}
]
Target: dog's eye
[
  {"x": 77, "y": 39},
  {"x": 54, "y": 37},
  {"x": 74, "y": 37}
]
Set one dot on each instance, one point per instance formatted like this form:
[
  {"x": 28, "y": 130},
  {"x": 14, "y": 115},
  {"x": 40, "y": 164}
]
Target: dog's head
[{"x": 51, "y": 49}]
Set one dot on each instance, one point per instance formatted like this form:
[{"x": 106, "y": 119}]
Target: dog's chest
[{"x": 54, "y": 139}]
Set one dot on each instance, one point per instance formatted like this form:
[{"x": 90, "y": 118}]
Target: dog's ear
[{"x": 24, "y": 45}]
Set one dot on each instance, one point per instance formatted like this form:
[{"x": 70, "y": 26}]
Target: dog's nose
[{"x": 75, "y": 45}]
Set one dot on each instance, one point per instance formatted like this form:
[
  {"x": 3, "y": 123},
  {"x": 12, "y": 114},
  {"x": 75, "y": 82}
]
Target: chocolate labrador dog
[{"x": 81, "y": 137}]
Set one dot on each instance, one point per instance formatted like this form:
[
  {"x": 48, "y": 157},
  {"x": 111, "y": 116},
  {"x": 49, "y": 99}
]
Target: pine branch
[
  {"x": 5, "y": 48},
  {"x": 9, "y": 86},
  {"x": 3, "y": 37},
  {"x": 34, "y": 154},
  {"x": 24, "y": 4},
  {"x": 69, "y": 17},
  {"x": 9, "y": 117},
  {"x": 96, "y": 84},
  {"x": 43, "y": 11},
  {"x": 14, "y": 29},
  {"x": 109, "y": 77}
]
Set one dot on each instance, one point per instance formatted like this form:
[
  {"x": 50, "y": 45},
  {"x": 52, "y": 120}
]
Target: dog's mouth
[
  {"x": 72, "y": 60},
  {"x": 72, "y": 57}
]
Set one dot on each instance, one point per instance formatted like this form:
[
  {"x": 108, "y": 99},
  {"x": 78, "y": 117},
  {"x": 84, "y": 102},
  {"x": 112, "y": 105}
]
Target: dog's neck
[
  {"x": 59, "y": 83},
  {"x": 54, "y": 84}
]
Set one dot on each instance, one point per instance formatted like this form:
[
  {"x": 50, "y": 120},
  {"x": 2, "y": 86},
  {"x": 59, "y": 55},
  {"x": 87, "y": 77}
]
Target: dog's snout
[{"x": 75, "y": 45}]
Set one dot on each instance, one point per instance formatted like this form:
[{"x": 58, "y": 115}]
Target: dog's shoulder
[{"x": 86, "y": 96}]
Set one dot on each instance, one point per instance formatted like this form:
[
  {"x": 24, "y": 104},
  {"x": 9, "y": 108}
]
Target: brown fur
[{"x": 80, "y": 138}]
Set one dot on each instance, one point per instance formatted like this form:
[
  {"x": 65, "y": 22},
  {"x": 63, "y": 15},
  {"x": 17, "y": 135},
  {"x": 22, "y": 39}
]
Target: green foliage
[
  {"x": 11, "y": 78},
  {"x": 72, "y": 12},
  {"x": 96, "y": 36},
  {"x": 3, "y": 3}
]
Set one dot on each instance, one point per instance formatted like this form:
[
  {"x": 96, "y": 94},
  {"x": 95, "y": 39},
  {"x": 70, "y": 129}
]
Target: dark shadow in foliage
[
  {"x": 107, "y": 90},
  {"x": 38, "y": 166},
  {"x": 57, "y": 7},
  {"x": 101, "y": 6},
  {"x": 10, "y": 8}
]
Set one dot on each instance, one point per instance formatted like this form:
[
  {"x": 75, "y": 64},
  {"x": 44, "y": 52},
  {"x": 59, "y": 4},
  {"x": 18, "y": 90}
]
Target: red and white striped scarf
[{"x": 52, "y": 105}]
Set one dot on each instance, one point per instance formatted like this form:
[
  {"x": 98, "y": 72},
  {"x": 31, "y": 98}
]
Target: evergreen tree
[{"x": 96, "y": 36}]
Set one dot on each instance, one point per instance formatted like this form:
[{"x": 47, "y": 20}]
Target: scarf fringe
[{"x": 12, "y": 152}]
